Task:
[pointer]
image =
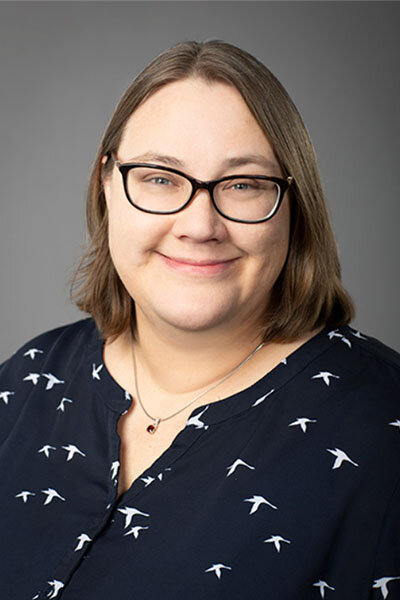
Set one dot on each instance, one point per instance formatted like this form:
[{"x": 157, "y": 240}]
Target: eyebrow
[{"x": 235, "y": 161}]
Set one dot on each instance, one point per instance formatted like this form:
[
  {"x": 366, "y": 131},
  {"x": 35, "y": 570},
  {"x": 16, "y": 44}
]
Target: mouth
[{"x": 205, "y": 266}]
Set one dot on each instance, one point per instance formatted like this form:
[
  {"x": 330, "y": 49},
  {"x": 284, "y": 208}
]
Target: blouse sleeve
[
  {"x": 386, "y": 575},
  {"x": 23, "y": 372},
  {"x": 7, "y": 415},
  {"x": 18, "y": 376}
]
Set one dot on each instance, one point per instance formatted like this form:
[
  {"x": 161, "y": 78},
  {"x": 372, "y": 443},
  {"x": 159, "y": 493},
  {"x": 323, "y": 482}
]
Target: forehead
[{"x": 196, "y": 121}]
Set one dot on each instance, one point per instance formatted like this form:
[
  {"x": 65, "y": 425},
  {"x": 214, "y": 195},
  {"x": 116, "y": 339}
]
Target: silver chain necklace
[{"x": 156, "y": 420}]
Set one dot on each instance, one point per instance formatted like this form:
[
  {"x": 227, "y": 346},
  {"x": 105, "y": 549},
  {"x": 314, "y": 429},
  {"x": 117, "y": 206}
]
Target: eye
[
  {"x": 159, "y": 180},
  {"x": 242, "y": 186}
]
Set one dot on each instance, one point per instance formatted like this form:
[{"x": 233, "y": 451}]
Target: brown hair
[{"x": 308, "y": 293}]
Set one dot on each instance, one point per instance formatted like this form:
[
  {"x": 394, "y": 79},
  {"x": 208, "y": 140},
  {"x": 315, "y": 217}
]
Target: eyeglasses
[{"x": 164, "y": 191}]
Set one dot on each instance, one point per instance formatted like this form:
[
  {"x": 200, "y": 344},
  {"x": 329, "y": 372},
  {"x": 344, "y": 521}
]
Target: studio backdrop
[{"x": 63, "y": 67}]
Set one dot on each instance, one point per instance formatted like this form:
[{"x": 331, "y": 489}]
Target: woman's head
[{"x": 238, "y": 108}]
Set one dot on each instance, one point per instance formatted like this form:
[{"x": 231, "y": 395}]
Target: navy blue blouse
[{"x": 288, "y": 490}]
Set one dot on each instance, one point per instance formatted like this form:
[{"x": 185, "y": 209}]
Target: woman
[{"x": 215, "y": 429}]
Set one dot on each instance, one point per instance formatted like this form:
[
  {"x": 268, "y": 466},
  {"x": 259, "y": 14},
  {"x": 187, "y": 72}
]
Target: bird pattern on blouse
[
  {"x": 34, "y": 377},
  {"x": 276, "y": 540},
  {"x": 81, "y": 541},
  {"x": 322, "y": 587},
  {"x": 302, "y": 421},
  {"x": 132, "y": 528},
  {"x": 382, "y": 585},
  {"x": 5, "y": 396},
  {"x": 32, "y": 352},
  {"x": 61, "y": 406}
]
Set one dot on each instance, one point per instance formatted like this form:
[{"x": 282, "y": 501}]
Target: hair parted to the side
[{"x": 308, "y": 293}]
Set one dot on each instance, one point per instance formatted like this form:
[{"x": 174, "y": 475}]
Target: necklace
[{"x": 156, "y": 420}]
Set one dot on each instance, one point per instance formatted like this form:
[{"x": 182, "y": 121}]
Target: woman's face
[{"x": 202, "y": 126}]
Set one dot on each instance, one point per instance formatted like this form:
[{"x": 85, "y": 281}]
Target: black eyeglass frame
[{"x": 196, "y": 184}]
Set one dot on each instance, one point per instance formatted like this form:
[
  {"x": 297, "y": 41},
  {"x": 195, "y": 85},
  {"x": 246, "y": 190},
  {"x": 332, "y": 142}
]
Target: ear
[{"x": 105, "y": 180}]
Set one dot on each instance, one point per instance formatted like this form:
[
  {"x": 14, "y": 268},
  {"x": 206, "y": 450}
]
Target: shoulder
[
  {"x": 366, "y": 376},
  {"x": 51, "y": 358},
  {"x": 353, "y": 391},
  {"x": 378, "y": 362},
  {"x": 359, "y": 354},
  {"x": 374, "y": 348},
  {"x": 52, "y": 345},
  {"x": 359, "y": 377}
]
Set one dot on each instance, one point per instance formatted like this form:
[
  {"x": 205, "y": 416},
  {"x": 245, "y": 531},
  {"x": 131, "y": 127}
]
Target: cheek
[
  {"x": 132, "y": 235},
  {"x": 278, "y": 241},
  {"x": 269, "y": 243},
  {"x": 271, "y": 257},
  {"x": 119, "y": 236}
]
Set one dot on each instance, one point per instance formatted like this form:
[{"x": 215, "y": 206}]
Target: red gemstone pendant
[{"x": 152, "y": 428}]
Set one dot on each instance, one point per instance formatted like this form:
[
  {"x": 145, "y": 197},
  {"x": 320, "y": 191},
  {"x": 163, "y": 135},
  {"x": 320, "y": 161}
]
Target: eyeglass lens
[{"x": 238, "y": 198}]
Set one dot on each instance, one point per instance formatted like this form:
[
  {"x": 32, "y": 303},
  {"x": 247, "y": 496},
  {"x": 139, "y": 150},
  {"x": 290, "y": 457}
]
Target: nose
[{"x": 199, "y": 220}]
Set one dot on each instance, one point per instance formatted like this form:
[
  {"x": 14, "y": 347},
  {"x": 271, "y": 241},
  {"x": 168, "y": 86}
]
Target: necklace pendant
[{"x": 152, "y": 428}]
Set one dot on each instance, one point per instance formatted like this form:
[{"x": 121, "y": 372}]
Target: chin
[
  {"x": 194, "y": 324},
  {"x": 194, "y": 320}
]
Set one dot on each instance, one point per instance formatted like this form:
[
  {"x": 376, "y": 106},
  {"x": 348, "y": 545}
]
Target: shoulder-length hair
[{"x": 308, "y": 292}]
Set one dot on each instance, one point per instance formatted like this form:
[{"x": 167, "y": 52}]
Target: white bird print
[
  {"x": 114, "y": 469},
  {"x": 302, "y": 421},
  {"x": 34, "y": 377},
  {"x": 257, "y": 501},
  {"x": 196, "y": 422},
  {"x": 325, "y": 376},
  {"x": 396, "y": 423},
  {"x": 130, "y": 513},
  {"x": 57, "y": 585},
  {"x": 335, "y": 333},
  {"x": 35, "y": 597},
  {"x": 32, "y": 352},
  {"x": 4, "y": 396},
  {"x": 322, "y": 585},
  {"x": 218, "y": 569},
  {"x": 52, "y": 380},
  {"x": 61, "y": 406},
  {"x": 135, "y": 531},
  {"x": 236, "y": 464},
  {"x": 24, "y": 495},
  {"x": 340, "y": 457},
  {"x": 160, "y": 476},
  {"x": 72, "y": 450},
  {"x": 51, "y": 494},
  {"x": 382, "y": 584},
  {"x": 257, "y": 402},
  {"x": 357, "y": 334},
  {"x": 276, "y": 540},
  {"x": 96, "y": 371},
  {"x": 82, "y": 539},
  {"x": 127, "y": 396},
  {"x": 45, "y": 449},
  {"x": 283, "y": 361},
  {"x": 346, "y": 340},
  {"x": 147, "y": 480}
]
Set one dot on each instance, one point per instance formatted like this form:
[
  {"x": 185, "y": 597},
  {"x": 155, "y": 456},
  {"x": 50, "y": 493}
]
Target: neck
[
  {"x": 184, "y": 362},
  {"x": 175, "y": 366}
]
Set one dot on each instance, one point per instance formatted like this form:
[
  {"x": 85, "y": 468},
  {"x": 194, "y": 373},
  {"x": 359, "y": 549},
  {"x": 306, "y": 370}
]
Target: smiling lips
[{"x": 205, "y": 267}]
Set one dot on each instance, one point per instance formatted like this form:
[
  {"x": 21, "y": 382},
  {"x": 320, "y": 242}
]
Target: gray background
[{"x": 64, "y": 66}]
